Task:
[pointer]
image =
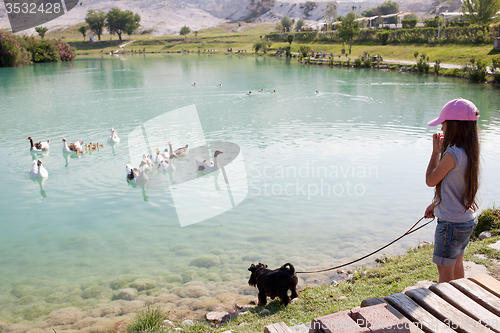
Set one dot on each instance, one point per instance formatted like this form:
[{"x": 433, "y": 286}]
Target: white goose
[
  {"x": 167, "y": 165},
  {"x": 38, "y": 171},
  {"x": 39, "y": 146},
  {"x": 135, "y": 174},
  {"x": 209, "y": 166},
  {"x": 168, "y": 151},
  {"x": 113, "y": 137},
  {"x": 73, "y": 146},
  {"x": 183, "y": 151}
]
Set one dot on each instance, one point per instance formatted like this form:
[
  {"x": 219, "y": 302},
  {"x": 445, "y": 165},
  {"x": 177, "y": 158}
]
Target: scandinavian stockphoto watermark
[
  {"x": 25, "y": 14},
  {"x": 196, "y": 196},
  {"x": 311, "y": 179}
]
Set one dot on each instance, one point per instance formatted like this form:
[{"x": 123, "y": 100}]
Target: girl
[{"x": 454, "y": 172}]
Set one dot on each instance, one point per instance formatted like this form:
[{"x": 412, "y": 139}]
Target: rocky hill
[{"x": 168, "y": 16}]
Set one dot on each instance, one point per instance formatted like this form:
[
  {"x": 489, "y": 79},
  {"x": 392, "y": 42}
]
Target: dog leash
[{"x": 412, "y": 229}]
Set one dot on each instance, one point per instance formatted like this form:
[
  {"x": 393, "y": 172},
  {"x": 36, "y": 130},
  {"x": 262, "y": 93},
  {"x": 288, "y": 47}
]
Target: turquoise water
[{"x": 331, "y": 175}]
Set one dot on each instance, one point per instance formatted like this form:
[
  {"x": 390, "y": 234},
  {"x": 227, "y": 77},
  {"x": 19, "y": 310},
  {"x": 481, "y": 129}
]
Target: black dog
[{"x": 274, "y": 283}]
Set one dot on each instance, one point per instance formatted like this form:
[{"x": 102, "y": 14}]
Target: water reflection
[{"x": 40, "y": 182}]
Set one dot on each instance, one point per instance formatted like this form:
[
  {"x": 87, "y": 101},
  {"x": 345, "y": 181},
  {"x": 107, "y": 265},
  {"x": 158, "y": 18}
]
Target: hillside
[{"x": 168, "y": 16}]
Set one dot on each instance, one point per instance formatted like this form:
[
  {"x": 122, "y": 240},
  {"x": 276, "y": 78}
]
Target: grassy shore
[
  {"x": 243, "y": 36},
  {"x": 390, "y": 276}
]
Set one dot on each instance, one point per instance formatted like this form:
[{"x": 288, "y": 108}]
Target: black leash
[{"x": 412, "y": 229}]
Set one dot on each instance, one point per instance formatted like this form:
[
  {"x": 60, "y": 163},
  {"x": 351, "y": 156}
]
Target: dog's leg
[
  {"x": 284, "y": 297},
  {"x": 262, "y": 298}
]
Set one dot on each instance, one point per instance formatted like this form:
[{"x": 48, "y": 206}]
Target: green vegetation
[
  {"x": 287, "y": 23},
  {"x": 390, "y": 276},
  {"x": 480, "y": 11},
  {"x": 119, "y": 22},
  {"x": 185, "y": 30},
  {"x": 96, "y": 21},
  {"x": 19, "y": 51},
  {"x": 83, "y": 30},
  {"x": 41, "y": 31},
  {"x": 348, "y": 29}
]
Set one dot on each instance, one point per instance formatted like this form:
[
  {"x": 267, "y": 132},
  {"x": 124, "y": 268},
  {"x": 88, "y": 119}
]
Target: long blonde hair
[{"x": 463, "y": 134}]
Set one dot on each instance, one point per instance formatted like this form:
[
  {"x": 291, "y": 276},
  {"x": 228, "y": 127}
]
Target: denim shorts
[{"x": 450, "y": 240}]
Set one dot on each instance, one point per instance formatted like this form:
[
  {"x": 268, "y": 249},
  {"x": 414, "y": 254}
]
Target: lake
[{"x": 329, "y": 167}]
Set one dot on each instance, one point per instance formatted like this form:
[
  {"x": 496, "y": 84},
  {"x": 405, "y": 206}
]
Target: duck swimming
[
  {"x": 39, "y": 146},
  {"x": 38, "y": 171},
  {"x": 208, "y": 166},
  {"x": 113, "y": 137}
]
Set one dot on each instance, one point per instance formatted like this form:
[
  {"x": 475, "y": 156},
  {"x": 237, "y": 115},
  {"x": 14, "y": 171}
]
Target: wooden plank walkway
[{"x": 464, "y": 306}]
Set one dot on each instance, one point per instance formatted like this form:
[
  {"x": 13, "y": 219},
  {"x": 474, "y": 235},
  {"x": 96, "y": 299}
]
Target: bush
[
  {"x": 488, "y": 220},
  {"x": 409, "y": 23},
  {"x": 148, "y": 320},
  {"x": 383, "y": 37},
  {"x": 304, "y": 51},
  {"x": 422, "y": 62},
  {"x": 357, "y": 62},
  {"x": 12, "y": 53},
  {"x": 433, "y": 23},
  {"x": 476, "y": 70},
  {"x": 437, "y": 66},
  {"x": 495, "y": 69},
  {"x": 65, "y": 51},
  {"x": 42, "y": 50}
]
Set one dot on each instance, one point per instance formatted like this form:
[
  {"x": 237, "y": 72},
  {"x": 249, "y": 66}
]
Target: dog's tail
[{"x": 291, "y": 268}]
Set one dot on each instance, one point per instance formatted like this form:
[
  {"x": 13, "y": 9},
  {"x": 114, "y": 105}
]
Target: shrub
[
  {"x": 357, "y": 62},
  {"x": 409, "y": 23},
  {"x": 42, "y": 50},
  {"x": 12, "y": 53},
  {"x": 65, "y": 51},
  {"x": 488, "y": 220},
  {"x": 433, "y": 23},
  {"x": 304, "y": 51},
  {"x": 422, "y": 62},
  {"x": 383, "y": 37},
  {"x": 288, "y": 51},
  {"x": 437, "y": 66},
  {"x": 495, "y": 69},
  {"x": 148, "y": 320},
  {"x": 367, "y": 59},
  {"x": 476, "y": 70}
]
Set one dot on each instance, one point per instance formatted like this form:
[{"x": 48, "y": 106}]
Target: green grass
[
  {"x": 390, "y": 277},
  {"x": 242, "y": 36}
]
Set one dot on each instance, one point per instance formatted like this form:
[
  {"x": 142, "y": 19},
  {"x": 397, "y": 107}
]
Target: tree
[
  {"x": 286, "y": 22},
  {"x": 118, "y": 22},
  {"x": 411, "y": 16},
  {"x": 331, "y": 13},
  {"x": 83, "y": 30},
  {"x": 41, "y": 31},
  {"x": 196, "y": 33},
  {"x": 299, "y": 24},
  {"x": 389, "y": 7},
  {"x": 289, "y": 38},
  {"x": 184, "y": 31},
  {"x": 480, "y": 11},
  {"x": 96, "y": 21},
  {"x": 262, "y": 45},
  {"x": 348, "y": 29}
]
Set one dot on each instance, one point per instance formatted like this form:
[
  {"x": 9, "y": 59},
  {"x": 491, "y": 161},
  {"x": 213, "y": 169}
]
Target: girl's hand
[
  {"x": 437, "y": 140},
  {"x": 429, "y": 212}
]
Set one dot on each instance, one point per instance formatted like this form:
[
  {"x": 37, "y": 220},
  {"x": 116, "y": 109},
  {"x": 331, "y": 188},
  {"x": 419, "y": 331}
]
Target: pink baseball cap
[{"x": 457, "y": 109}]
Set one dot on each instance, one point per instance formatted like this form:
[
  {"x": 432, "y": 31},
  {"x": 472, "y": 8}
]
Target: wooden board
[
  {"x": 449, "y": 315},
  {"x": 487, "y": 282},
  {"x": 459, "y": 300},
  {"x": 277, "y": 328},
  {"x": 478, "y": 294},
  {"x": 378, "y": 300},
  {"x": 417, "y": 314}
]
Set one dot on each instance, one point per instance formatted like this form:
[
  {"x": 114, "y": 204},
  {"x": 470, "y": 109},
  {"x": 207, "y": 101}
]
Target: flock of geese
[
  {"x": 39, "y": 171},
  {"x": 164, "y": 161},
  {"x": 161, "y": 160}
]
